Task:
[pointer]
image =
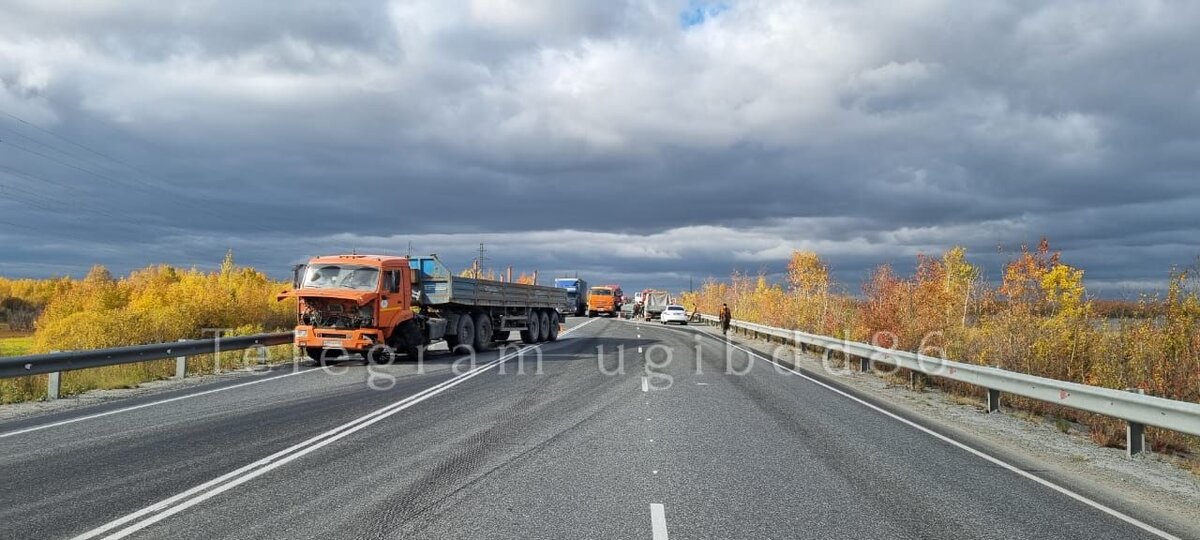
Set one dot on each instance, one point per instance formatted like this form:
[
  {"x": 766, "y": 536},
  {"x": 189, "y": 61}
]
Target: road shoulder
[{"x": 1151, "y": 487}]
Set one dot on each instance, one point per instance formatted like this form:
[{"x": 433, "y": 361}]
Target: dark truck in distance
[
  {"x": 375, "y": 305},
  {"x": 576, "y": 295}
]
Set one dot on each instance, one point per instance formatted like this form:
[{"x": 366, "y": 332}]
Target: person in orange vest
[{"x": 725, "y": 318}]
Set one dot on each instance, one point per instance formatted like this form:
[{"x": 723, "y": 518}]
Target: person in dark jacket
[{"x": 725, "y": 318}]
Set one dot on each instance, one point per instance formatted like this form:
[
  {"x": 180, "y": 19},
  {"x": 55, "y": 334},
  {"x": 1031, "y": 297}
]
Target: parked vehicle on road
[
  {"x": 375, "y": 305},
  {"x": 674, "y": 314},
  {"x": 602, "y": 300},
  {"x": 576, "y": 296},
  {"x": 654, "y": 302},
  {"x": 618, "y": 295}
]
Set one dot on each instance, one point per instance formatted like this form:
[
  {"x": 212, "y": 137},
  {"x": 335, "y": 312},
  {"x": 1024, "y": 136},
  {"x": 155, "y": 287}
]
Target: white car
[{"x": 672, "y": 314}]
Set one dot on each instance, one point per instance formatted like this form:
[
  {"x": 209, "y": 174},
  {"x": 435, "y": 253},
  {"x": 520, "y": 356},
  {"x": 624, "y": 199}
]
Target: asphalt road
[{"x": 592, "y": 445}]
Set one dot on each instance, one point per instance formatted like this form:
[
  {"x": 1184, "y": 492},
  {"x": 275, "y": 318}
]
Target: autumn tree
[{"x": 808, "y": 284}]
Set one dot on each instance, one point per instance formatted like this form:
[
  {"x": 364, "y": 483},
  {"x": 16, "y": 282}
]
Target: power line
[
  {"x": 19, "y": 174},
  {"x": 141, "y": 186}
]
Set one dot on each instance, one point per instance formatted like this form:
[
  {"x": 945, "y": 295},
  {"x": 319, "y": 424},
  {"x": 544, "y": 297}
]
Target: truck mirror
[{"x": 297, "y": 271}]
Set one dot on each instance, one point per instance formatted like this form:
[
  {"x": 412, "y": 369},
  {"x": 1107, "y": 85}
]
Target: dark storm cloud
[{"x": 601, "y": 137}]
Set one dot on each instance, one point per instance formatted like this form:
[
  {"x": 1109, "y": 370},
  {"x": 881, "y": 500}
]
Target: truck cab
[
  {"x": 576, "y": 296},
  {"x": 351, "y": 303},
  {"x": 602, "y": 300}
]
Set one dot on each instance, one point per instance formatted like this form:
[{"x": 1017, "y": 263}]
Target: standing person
[{"x": 725, "y": 318}]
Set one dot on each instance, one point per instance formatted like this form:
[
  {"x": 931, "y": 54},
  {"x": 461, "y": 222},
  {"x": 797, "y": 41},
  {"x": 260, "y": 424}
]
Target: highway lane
[
  {"x": 97, "y": 469},
  {"x": 583, "y": 449}
]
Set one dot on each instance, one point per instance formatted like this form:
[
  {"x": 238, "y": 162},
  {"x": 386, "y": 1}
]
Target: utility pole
[{"x": 479, "y": 261}]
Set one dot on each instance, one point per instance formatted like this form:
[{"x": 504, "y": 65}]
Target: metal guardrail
[
  {"x": 1136, "y": 409},
  {"x": 55, "y": 363}
]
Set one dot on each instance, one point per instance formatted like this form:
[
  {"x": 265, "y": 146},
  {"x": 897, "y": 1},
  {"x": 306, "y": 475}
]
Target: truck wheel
[
  {"x": 379, "y": 355},
  {"x": 532, "y": 330},
  {"x": 543, "y": 327},
  {"x": 483, "y": 332},
  {"x": 314, "y": 353},
  {"x": 591, "y": 314},
  {"x": 407, "y": 339},
  {"x": 465, "y": 334},
  {"x": 554, "y": 321}
]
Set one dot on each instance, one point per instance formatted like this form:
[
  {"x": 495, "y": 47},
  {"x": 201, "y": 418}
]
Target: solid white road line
[
  {"x": 169, "y": 400},
  {"x": 151, "y": 404},
  {"x": 177, "y": 503},
  {"x": 658, "y": 521},
  {"x": 1013, "y": 468}
]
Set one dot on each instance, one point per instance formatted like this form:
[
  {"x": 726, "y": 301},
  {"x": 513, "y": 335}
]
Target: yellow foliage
[
  {"x": 152, "y": 305},
  {"x": 481, "y": 273},
  {"x": 1038, "y": 321}
]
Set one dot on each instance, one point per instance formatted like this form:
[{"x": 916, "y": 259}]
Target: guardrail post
[
  {"x": 916, "y": 379},
  {"x": 1135, "y": 433},
  {"x": 217, "y": 334},
  {"x": 993, "y": 400},
  {"x": 53, "y": 383},
  {"x": 864, "y": 364},
  {"x": 181, "y": 365}
]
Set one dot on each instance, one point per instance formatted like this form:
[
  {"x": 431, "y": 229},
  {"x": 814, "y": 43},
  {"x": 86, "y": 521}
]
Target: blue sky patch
[{"x": 697, "y": 12}]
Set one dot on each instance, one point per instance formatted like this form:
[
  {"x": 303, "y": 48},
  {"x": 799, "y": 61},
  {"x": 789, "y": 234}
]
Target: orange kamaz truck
[
  {"x": 379, "y": 305},
  {"x": 602, "y": 300}
]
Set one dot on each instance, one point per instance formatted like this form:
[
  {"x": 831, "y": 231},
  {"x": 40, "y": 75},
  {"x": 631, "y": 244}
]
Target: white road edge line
[
  {"x": 258, "y": 468},
  {"x": 645, "y": 384},
  {"x": 1013, "y": 468},
  {"x": 658, "y": 521},
  {"x": 150, "y": 404}
]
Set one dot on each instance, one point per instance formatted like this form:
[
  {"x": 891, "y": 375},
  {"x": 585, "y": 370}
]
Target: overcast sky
[{"x": 641, "y": 142}]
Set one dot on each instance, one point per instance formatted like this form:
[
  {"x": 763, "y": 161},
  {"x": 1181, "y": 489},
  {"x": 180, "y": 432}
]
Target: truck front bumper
[{"x": 340, "y": 339}]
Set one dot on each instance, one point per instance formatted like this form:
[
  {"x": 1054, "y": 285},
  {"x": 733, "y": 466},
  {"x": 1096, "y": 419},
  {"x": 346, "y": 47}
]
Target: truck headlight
[{"x": 302, "y": 333}]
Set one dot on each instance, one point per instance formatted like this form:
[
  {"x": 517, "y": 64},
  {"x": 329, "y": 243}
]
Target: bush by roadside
[
  {"x": 1037, "y": 320},
  {"x": 156, "y": 304}
]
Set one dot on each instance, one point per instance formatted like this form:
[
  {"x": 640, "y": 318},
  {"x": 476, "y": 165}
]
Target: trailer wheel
[
  {"x": 483, "y": 332},
  {"x": 465, "y": 333},
  {"x": 543, "y": 327},
  {"x": 554, "y": 321},
  {"x": 532, "y": 328}
]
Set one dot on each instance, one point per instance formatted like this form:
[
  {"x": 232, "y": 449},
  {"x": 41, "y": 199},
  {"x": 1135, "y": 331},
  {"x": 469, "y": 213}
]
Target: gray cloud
[{"x": 603, "y": 138}]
